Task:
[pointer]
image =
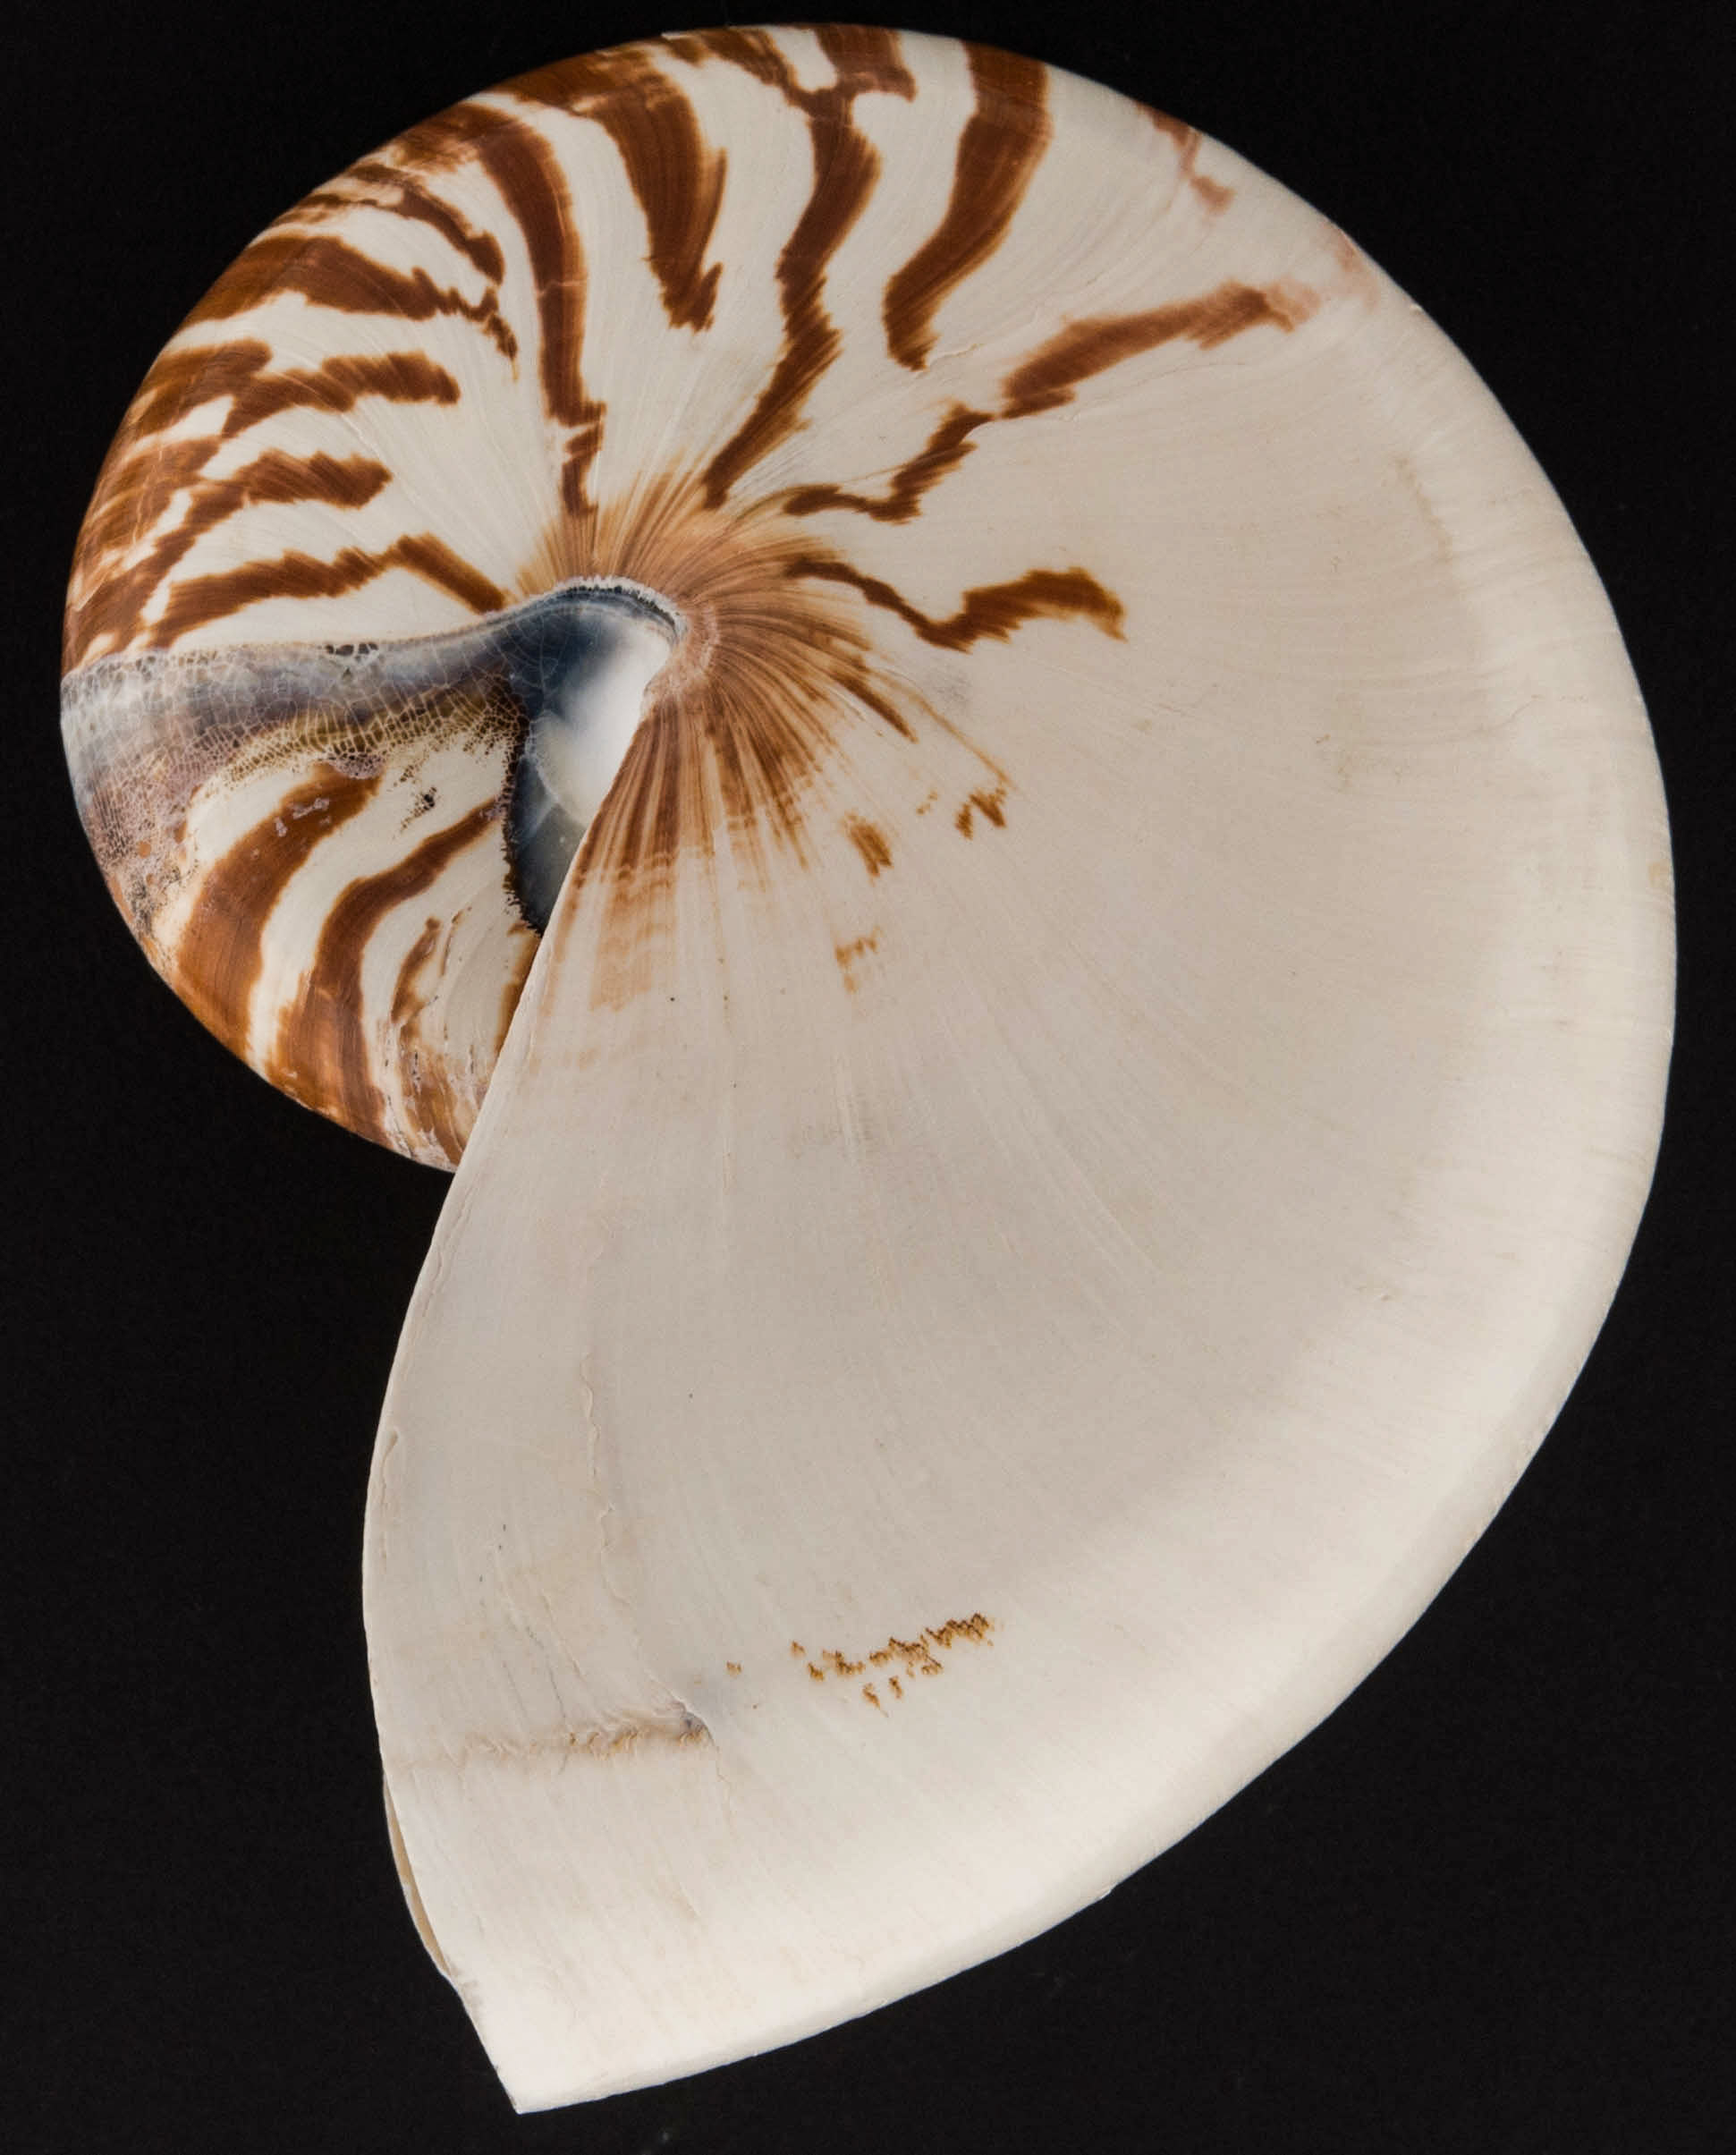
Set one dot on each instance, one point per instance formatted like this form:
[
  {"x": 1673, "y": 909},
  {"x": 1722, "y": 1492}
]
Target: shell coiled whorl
[
  {"x": 967, "y": 774},
  {"x": 569, "y": 335}
]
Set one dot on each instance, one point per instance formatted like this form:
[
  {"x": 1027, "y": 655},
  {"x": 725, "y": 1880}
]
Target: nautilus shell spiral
[{"x": 963, "y": 771}]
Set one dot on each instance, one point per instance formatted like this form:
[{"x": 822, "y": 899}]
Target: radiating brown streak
[
  {"x": 411, "y": 200},
  {"x": 330, "y": 273},
  {"x": 296, "y": 575},
  {"x": 846, "y": 166},
  {"x": 1001, "y": 146},
  {"x": 992, "y": 609},
  {"x": 1051, "y": 374},
  {"x": 320, "y": 1057},
  {"x": 219, "y": 955},
  {"x": 678, "y": 179},
  {"x": 1213, "y": 193},
  {"x": 428, "y": 1091},
  {"x": 945, "y": 449},
  {"x": 114, "y": 610}
]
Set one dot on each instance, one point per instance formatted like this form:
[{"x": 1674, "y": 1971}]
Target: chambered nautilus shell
[{"x": 964, "y": 772}]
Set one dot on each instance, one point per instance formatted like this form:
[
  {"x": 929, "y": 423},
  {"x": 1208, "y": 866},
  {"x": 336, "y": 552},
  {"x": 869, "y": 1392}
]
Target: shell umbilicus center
[{"x": 589, "y": 658}]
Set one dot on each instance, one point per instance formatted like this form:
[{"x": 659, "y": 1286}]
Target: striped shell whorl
[{"x": 800, "y": 390}]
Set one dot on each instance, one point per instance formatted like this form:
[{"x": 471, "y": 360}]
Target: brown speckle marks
[
  {"x": 904, "y": 1657},
  {"x": 848, "y": 954},
  {"x": 991, "y": 806}
]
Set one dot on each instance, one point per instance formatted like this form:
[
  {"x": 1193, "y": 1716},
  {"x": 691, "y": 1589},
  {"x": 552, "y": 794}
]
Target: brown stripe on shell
[
  {"x": 142, "y": 476},
  {"x": 401, "y": 377},
  {"x": 534, "y": 188},
  {"x": 437, "y": 1117},
  {"x": 678, "y": 179},
  {"x": 992, "y": 609},
  {"x": 321, "y": 1055},
  {"x": 330, "y": 273},
  {"x": 846, "y": 166},
  {"x": 186, "y": 376},
  {"x": 297, "y": 575},
  {"x": 220, "y": 953},
  {"x": 1049, "y": 378},
  {"x": 114, "y": 612},
  {"x": 386, "y": 187},
  {"x": 1001, "y": 146}
]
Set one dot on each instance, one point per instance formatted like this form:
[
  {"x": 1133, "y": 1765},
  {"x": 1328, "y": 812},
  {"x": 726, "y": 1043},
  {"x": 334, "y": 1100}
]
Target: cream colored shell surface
[{"x": 1088, "y": 1082}]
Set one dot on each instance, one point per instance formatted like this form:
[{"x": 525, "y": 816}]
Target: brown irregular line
[
  {"x": 678, "y": 179},
  {"x": 944, "y": 451},
  {"x": 116, "y": 608},
  {"x": 1049, "y": 378},
  {"x": 1001, "y": 146},
  {"x": 330, "y": 273},
  {"x": 524, "y": 168},
  {"x": 321, "y": 1055},
  {"x": 994, "y": 609},
  {"x": 219, "y": 955},
  {"x": 1213, "y": 193},
  {"x": 296, "y": 575},
  {"x": 846, "y": 166},
  {"x": 992, "y": 806}
]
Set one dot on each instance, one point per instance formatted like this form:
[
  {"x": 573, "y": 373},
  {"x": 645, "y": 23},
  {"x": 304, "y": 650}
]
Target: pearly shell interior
[{"x": 965, "y": 771}]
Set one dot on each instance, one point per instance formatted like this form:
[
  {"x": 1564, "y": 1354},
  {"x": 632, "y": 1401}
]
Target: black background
[{"x": 1485, "y": 1906}]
